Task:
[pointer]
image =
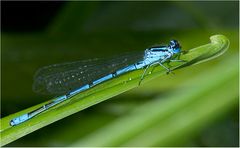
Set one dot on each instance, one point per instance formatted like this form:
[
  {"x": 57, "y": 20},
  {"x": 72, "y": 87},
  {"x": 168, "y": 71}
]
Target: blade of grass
[{"x": 102, "y": 92}]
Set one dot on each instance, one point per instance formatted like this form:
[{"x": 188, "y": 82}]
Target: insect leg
[
  {"x": 164, "y": 66},
  {"x": 164, "y": 60},
  {"x": 143, "y": 75}
]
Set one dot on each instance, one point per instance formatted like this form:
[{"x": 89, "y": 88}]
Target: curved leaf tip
[
  {"x": 221, "y": 41},
  {"x": 218, "y": 45}
]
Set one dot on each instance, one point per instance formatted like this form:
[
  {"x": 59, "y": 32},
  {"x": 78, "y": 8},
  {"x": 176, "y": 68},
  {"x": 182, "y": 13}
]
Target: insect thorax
[{"x": 152, "y": 57}]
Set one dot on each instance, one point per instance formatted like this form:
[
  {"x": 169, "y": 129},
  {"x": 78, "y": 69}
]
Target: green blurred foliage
[{"x": 83, "y": 30}]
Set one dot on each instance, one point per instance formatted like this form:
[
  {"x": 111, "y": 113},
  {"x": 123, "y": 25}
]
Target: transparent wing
[{"x": 59, "y": 79}]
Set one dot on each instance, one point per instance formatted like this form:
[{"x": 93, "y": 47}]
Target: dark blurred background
[{"x": 35, "y": 34}]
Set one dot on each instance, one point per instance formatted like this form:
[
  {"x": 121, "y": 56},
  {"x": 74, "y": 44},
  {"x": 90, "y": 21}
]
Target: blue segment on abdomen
[
  {"x": 19, "y": 120},
  {"x": 60, "y": 98},
  {"x": 107, "y": 77},
  {"x": 85, "y": 87}
]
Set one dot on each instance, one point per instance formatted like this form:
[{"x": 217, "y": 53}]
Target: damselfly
[{"x": 69, "y": 79}]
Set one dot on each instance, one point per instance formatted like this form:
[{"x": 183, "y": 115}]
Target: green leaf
[{"x": 104, "y": 91}]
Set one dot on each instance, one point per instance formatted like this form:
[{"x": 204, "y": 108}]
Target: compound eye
[{"x": 174, "y": 44}]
